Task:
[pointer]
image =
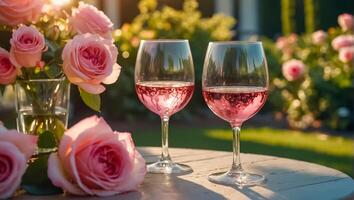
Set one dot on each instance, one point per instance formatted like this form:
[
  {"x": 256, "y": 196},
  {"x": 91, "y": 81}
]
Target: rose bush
[
  {"x": 15, "y": 150},
  {"x": 317, "y": 96},
  {"x": 95, "y": 160}
]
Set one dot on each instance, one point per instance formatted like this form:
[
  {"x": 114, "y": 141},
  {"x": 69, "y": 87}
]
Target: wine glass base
[
  {"x": 238, "y": 179},
  {"x": 168, "y": 167}
]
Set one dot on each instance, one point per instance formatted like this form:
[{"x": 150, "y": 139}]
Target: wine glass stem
[
  {"x": 236, "y": 162},
  {"x": 165, "y": 156}
]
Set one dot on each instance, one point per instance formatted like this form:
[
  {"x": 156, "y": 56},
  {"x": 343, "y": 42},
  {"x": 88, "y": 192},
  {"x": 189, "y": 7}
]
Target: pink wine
[
  {"x": 164, "y": 97},
  {"x": 235, "y": 104}
]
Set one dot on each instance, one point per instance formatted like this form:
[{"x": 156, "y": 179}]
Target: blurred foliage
[
  {"x": 162, "y": 22},
  {"x": 324, "y": 96}
]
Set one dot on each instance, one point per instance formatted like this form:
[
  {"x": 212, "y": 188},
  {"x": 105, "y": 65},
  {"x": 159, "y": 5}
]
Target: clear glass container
[{"x": 42, "y": 107}]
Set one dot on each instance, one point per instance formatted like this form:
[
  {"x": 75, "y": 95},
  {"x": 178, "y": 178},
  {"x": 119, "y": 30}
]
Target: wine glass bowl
[
  {"x": 235, "y": 88},
  {"x": 164, "y": 83}
]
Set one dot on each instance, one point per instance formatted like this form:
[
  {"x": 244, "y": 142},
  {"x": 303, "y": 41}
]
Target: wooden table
[{"x": 286, "y": 179}]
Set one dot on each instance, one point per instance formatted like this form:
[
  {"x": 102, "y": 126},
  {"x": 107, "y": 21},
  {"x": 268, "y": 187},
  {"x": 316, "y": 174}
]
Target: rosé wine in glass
[
  {"x": 164, "y": 83},
  {"x": 164, "y": 97},
  {"x": 235, "y": 87},
  {"x": 235, "y": 104}
]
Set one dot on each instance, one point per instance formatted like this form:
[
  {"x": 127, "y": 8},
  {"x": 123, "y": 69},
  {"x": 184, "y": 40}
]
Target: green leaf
[
  {"x": 47, "y": 140},
  {"x": 35, "y": 181},
  {"x": 91, "y": 100},
  {"x": 53, "y": 70}
]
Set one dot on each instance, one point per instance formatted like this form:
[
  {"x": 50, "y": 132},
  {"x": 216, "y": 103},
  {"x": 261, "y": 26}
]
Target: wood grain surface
[{"x": 286, "y": 179}]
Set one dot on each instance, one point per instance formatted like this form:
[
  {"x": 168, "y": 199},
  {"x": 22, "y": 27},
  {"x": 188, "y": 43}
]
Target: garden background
[{"x": 309, "y": 119}]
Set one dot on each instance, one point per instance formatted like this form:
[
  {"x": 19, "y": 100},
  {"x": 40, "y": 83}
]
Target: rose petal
[
  {"x": 93, "y": 125},
  {"x": 9, "y": 186},
  {"x": 114, "y": 75},
  {"x": 58, "y": 177},
  {"x": 137, "y": 175},
  {"x": 27, "y": 144}
]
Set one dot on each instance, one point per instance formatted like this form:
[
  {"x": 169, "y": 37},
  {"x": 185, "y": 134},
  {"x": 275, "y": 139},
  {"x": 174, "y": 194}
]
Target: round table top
[{"x": 286, "y": 179}]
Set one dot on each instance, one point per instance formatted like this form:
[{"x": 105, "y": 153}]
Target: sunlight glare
[{"x": 60, "y": 2}]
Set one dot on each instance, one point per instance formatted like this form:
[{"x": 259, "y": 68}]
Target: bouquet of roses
[
  {"x": 42, "y": 42},
  {"x": 47, "y": 43}
]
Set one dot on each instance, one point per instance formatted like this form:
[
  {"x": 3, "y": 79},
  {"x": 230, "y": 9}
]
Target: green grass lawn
[{"x": 332, "y": 151}]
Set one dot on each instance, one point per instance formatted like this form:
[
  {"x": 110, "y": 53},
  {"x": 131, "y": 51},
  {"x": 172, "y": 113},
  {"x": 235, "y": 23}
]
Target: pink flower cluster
[
  {"x": 345, "y": 43},
  {"x": 89, "y": 59},
  {"x": 15, "y": 150},
  {"x": 286, "y": 44},
  {"x": 319, "y": 37},
  {"x": 95, "y": 160}
]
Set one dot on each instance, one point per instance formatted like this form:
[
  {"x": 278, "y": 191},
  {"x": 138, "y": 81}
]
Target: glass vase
[{"x": 42, "y": 109}]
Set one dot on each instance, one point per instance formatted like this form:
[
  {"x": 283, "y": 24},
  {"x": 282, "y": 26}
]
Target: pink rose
[
  {"x": 95, "y": 160},
  {"x": 292, "y": 38},
  {"x": 293, "y": 69},
  {"x": 319, "y": 37},
  {"x": 27, "y": 45},
  {"x": 88, "y": 19},
  {"x": 281, "y": 42},
  {"x": 89, "y": 60},
  {"x": 345, "y": 21},
  {"x": 343, "y": 41},
  {"x": 15, "y": 149},
  {"x": 8, "y": 71},
  {"x": 14, "y": 12},
  {"x": 346, "y": 54}
]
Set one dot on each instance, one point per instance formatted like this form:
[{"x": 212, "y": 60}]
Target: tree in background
[
  {"x": 310, "y": 23},
  {"x": 288, "y": 16}
]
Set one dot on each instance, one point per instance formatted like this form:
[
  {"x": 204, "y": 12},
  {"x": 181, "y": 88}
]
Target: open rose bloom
[
  {"x": 88, "y": 19},
  {"x": 15, "y": 150},
  {"x": 346, "y": 54},
  {"x": 90, "y": 60},
  {"x": 293, "y": 69},
  {"x": 15, "y": 12},
  {"x": 95, "y": 160},
  {"x": 343, "y": 41}
]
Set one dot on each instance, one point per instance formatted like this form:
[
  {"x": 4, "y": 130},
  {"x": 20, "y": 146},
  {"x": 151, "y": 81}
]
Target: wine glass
[
  {"x": 164, "y": 83},
  {"x": 235, "y": 87}
]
